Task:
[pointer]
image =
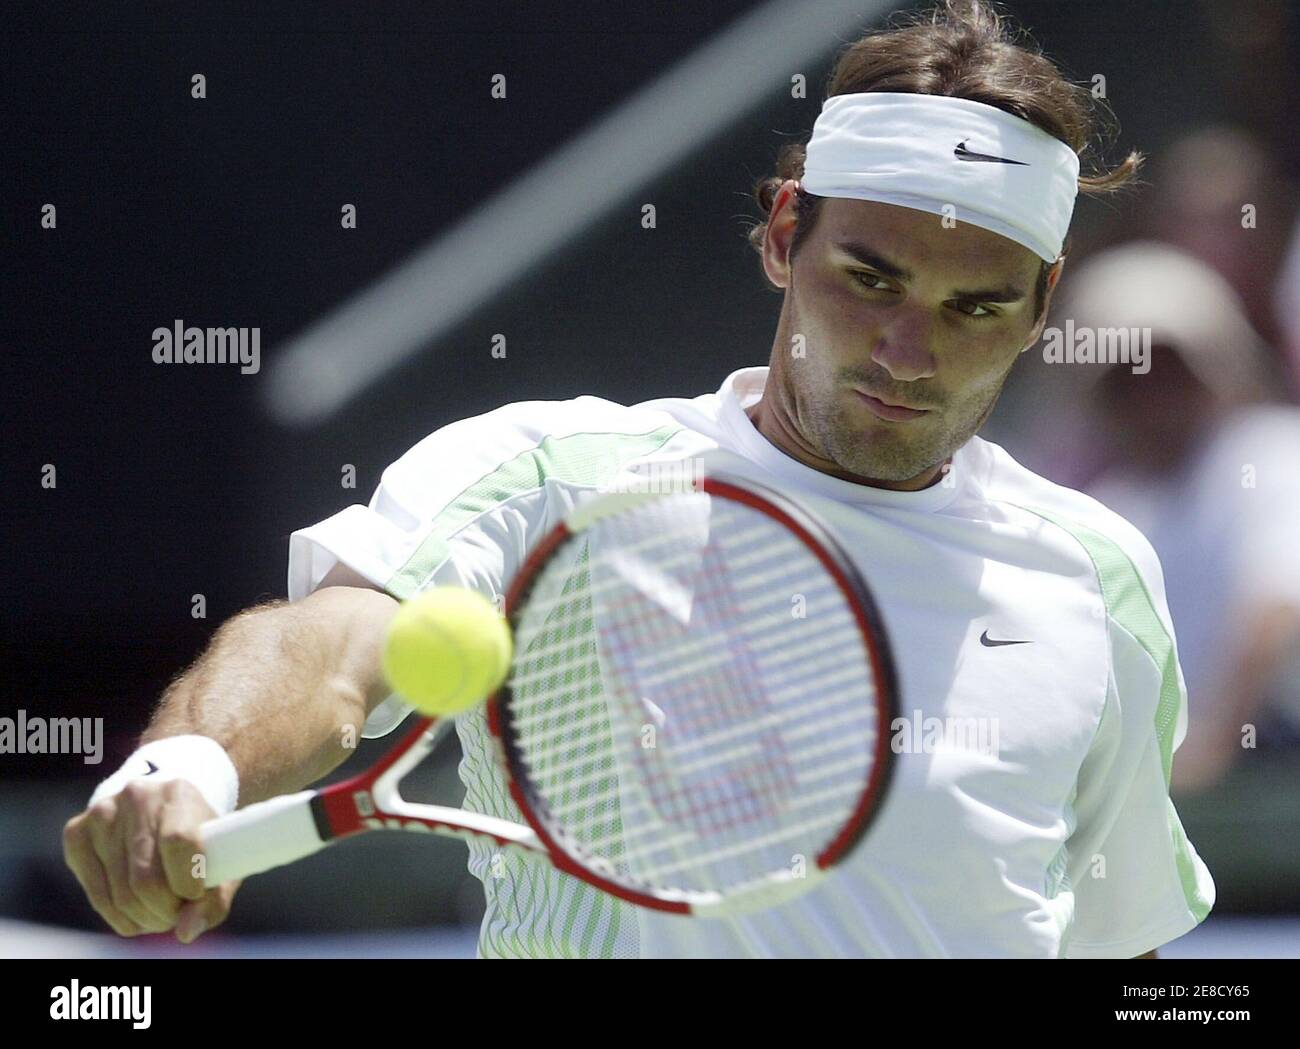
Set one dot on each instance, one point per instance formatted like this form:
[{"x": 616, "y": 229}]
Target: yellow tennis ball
[{"x": 447, "y": 649}]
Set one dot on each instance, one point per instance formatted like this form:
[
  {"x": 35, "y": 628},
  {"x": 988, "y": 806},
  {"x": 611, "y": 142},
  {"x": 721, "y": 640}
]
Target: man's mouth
[{"x": 887, "y": 411}]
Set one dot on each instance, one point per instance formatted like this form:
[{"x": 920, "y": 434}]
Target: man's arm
[
  {"x": 277, "y": 687},
  {"x": 279, "y": 683}
]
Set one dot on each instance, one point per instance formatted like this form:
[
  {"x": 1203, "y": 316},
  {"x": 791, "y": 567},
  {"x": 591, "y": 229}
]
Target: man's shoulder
[
  {"x": 565, "y": 418},
  {"x": 520, "y": 446},
  {"x": 1096, "y": 526},
  {"x": 519, "y": 427}
]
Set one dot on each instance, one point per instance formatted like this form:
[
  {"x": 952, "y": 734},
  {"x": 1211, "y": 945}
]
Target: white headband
[{"x": 927, "y": 151}]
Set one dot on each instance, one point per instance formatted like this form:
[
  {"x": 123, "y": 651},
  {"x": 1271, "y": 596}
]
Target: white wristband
[{"x": 200, "y": 760}]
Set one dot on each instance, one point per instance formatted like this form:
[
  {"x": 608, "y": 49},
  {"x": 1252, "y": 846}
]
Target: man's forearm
[{"x": 284, "y": 688}]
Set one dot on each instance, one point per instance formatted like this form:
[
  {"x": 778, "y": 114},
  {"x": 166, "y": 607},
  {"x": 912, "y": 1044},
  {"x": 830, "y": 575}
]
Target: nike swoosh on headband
[
  {"x": 962, "y": 153},
  {"x": 988, "y": 642}
]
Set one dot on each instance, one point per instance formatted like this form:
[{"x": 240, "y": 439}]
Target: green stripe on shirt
[
  {"x": 1129, "y": 603},
  {"x": 580, "y": 458}
]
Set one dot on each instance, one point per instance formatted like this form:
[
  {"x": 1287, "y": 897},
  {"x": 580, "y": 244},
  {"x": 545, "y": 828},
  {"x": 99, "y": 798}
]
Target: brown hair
[{"x": 966, "y": 49}]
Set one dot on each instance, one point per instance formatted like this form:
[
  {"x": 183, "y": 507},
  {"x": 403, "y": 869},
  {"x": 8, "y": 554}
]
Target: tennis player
[{"x": 917, "y": 239}]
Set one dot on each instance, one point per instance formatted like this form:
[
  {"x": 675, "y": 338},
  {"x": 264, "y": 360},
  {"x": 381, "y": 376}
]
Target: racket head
[{"x": 658, "y": 734}]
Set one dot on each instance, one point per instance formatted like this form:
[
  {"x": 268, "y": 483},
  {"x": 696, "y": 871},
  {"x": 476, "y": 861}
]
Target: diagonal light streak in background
[{"x": 340, "y": 355}]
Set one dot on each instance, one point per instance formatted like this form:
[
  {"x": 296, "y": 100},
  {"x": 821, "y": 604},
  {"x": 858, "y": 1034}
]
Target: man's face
[{"x": 894, "y": 307}]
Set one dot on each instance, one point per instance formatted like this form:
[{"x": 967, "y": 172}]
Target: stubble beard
[{"x": 885, "y": 451}]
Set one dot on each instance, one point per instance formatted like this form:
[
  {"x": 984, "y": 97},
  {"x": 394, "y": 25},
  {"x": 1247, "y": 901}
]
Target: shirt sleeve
[
  {"x": 1137, "y": 881},
  {"x": 459, "y": 508}
]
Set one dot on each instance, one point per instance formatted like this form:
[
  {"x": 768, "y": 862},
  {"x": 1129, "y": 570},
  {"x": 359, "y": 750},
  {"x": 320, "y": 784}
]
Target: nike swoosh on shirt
[
  {"x": 962, "y": 153},
  {"x": 989, "y": 642}
]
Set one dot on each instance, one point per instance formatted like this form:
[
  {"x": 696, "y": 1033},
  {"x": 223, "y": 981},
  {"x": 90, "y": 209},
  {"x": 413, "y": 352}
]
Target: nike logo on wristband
[
  {"x": 152, "y": 767},
  {"x": 962, "y": 153},
  {"x": 988, "y": 642}
]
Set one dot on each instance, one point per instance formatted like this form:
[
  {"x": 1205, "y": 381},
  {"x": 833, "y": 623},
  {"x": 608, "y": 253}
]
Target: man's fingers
[
  {"x": 178, "y": 838},
  {"x": 80, "y": 856},
  {"x": 145, "y": 877},
  {"x": 107, "y": 840},
  {"x": 134, "y": 855},
  {"x": 198, "y": 916}
]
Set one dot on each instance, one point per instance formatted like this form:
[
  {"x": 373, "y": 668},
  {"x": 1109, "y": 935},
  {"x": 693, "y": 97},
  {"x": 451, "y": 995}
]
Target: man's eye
[
  {"x": 870, "y": 281},
  {"x": 973, "y": 309}
]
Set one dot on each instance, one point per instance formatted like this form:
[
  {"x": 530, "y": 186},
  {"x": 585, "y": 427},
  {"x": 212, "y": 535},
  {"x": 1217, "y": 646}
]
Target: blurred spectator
[
  {"x": 1210, "y": 472},
  {"x": 1248, "y": 70},
  {"x": 1218, "y": 194},
  {"x": 1286, "y": 307}
]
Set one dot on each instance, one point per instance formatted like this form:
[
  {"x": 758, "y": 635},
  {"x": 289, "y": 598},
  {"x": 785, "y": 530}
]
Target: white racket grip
[{"x": 266, "y": 834}]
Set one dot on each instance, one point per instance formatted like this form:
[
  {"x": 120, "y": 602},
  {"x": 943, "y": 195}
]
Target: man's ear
[
  {"x": 1054, "y": 274},
  {"x": 1053, "y": 277},
  {"x": 780, "y": 235}
]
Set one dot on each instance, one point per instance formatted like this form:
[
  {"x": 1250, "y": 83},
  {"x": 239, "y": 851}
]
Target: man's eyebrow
[
  {"x": 876, "y": 261},
  {"x": 868, "y": 257},
  {"x": 1009, "y": 293}
]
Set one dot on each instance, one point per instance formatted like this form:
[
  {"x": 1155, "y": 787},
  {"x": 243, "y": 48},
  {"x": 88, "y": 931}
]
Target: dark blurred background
[{"x": 177, "y": 481}]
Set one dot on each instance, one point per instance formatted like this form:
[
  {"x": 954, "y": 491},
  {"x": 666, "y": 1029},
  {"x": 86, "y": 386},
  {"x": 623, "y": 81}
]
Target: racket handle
[{"x": 266, "y": 834}]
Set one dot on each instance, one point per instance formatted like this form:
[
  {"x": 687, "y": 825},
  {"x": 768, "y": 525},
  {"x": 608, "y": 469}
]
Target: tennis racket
[{"x": 696, "y": 718}]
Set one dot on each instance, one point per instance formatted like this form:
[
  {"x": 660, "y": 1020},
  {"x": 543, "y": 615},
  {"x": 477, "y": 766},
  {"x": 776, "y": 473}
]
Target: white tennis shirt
[{"x": 1029, "y": 814}]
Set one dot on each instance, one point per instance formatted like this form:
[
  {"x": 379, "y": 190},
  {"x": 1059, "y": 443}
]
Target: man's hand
[
  {"x": 135, "y": 853},
  {"x": 284, "y": 689}
]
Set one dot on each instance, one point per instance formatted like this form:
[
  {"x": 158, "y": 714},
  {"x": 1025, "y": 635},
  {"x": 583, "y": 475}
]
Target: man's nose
[{"x": 903, "y": 347}]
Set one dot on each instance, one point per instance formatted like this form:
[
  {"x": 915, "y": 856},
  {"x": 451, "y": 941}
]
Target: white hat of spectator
[{"x": 1186, "y": 304}]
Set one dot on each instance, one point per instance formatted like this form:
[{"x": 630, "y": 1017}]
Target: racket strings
[
  {"x": 787, "y": 683},
  {"x": 704, "y": 649},
  {"x": 567, "y": 705},
  {"x": 708, "y": 693},
  {"x": 680, "y": 725}
]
